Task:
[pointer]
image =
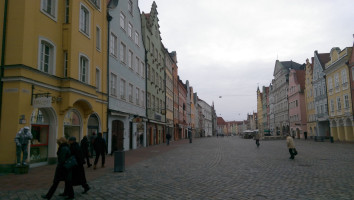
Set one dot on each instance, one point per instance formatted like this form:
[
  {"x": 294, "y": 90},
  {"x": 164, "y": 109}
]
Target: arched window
[{"x": 46, "y": 56}]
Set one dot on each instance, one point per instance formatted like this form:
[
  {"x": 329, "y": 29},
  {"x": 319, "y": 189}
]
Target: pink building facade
[{"x": 297, "y": 103}]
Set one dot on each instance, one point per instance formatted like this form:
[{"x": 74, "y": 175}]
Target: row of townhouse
[
  {"x": 229, "y": 128},
  {"x": 313, "y": 100},
  {"x": 79, "y": 67}
]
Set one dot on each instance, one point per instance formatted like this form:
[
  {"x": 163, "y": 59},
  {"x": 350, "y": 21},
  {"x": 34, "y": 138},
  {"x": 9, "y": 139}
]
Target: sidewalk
[{"x": 42, "y": 177}]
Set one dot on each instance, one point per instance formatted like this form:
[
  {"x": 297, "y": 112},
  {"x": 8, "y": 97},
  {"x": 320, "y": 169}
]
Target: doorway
[{"x": 117, "y": 135}]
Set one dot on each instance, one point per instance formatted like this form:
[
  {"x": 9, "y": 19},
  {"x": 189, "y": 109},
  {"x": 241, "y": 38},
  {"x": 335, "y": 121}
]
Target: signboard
[{"x": 42, "y": 102}]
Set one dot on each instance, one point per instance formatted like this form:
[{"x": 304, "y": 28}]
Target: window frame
[
  {"x": 122, "y": 19},
  {"x": 98, "y": 38},
  {"x": 87, "y": 20},
  {"x": 98, "y": 79},
  {"x": 113, "y": 50},
  {"x": 123, "y": 53},
  {"x": 123, "y": 89},
  {"x": 53, "y": 15},
  {"x": 52, "y": 56},
  {"x": 82, "y": 55},
  {"x": 113, "y": 84}
]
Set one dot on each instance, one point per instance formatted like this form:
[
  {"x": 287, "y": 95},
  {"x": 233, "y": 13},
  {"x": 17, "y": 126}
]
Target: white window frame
[
  {"x": 96, "y": 3},
  {"x": 137, "y": 96},
  {"x": 123, "y": 52},
  {"x": 86, "y": 22},
  {"x": 113, "y": 50},
  {"x": 113, "y": 84},
  {"x": 54, "y": 9},
  {"x": 130, "y": 7},
  {"x": 137, "y": 64},
  {"x": 122, "y": 19},
  {"x": 130, "y": 92},
  {"x": 339, "y": 104},
  {"x": 123, "y": 89},
  {"x": 142, "y": 98},
  {"x": 142, "y": 71},
  {"x": 346, "y": 101},
  {"x": 98, "y": 38},
  {"x": 136, "y": 38},
  {"x": 52, "y": 56},
  {"x": 98, "y": 79},
  {"x": 130, "y": 30},
  {"x": 87, "y": 74},
  {"x": 130, "y": 59}
]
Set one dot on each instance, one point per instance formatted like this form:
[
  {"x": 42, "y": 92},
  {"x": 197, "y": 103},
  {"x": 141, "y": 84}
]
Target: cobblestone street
[{"x": 221, "y": 168}]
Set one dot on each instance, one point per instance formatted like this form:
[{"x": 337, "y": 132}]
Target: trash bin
[
  {"x": 331, "y": 139},
  {"x": 119, "y": 161}
]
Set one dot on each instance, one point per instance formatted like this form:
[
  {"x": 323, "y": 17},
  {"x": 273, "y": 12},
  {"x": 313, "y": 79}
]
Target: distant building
[{"x": 309, "y": 98}]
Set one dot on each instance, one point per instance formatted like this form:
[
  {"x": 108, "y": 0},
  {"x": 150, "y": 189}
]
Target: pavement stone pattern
[{"x": 218, "y": 168}]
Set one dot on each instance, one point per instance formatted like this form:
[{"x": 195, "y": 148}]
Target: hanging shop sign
[{"x": 42, "y": 102}]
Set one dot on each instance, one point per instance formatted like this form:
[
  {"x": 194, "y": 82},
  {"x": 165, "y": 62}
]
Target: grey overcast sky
[{"x": 228, "y": 47}]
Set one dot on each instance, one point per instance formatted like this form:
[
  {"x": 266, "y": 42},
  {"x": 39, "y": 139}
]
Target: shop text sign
[{"x": 42, "y": 102}]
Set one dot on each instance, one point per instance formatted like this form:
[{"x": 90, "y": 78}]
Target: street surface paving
[{"x": 210, "y": 168}]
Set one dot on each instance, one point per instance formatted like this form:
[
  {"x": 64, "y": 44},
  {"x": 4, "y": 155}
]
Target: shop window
[
  {"x": 72, "y": 125},
  {"x": 39, "y": 144}
]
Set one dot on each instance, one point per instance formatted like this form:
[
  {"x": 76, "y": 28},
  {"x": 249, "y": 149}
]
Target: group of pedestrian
[{"x": 74, "y": 174}]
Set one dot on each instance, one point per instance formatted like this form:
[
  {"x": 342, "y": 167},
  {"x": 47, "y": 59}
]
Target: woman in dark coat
[
  {"x": 85, "y": 150},
  {"x": 78, "y": 176},
  {"x": 61, "y": 173}
]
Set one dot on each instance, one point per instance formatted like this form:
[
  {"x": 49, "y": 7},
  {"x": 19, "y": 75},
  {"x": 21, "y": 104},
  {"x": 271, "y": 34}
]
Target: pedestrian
[
  {"x": 62, "y": 173},
  {"x": 291, "y": 146},
  {"x": 257, "y": 137},
  {"x": 190, "y": 135},
  {"x": 21, "y": 140},
  {"x": 92, "y": 140},
  {"x": 168, "y": 137},
  {"x": 100, "y": 148},
  {"x": 84, "y": 145},
  {"x": 78, "y": 171}
]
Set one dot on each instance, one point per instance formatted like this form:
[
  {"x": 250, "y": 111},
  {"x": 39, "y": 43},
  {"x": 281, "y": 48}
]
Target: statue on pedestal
[{"x": 21, "y": 140}]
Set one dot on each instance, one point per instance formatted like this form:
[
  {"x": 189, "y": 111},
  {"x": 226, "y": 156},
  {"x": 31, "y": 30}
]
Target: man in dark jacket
[
  {"x": 78, "y": 177},
  {"x": 85, "y": 150},
  {"x": 61, "y": 173},
  {"x": 100, "y": 148}
]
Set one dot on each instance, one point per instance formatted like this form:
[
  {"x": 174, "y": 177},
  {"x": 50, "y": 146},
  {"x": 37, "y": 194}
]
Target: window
[
  {"x": 98, "y": 38},
  {"x": 46, "y": 59},
  {"x": 130, "y": 92},
  {"x": 96, "y": 3},
  {"x": 148, "y": 100},
  {"x": 113, "y": 84},
  {"x": 136, "y": 39},
  {"x": 130, "y": 6},
  {"x": 123, "y": 53},
  {"x": 352, "y": 73},
  {"x": 148, "y": 72},
  {"x": 49, "y": 8},
  {"x": 114, "y": 45},
  {"x": 330, "y": 84},
  {"x": 336, "y": 80},
  {"x": 137, "y": 96},
  {"x": 332, "y": 105},
  {"x": 98, "y": 79},
  {"x": 84, "y": 20},
  {"x": 84, "y": 69},
  {"x": 67, "y": 9},
  {"x": 153, "y": 75},
  {"x": 142, "y": 70},
  {"x": 142, "y": 98},
  {"x": 122, "y": 88},
  {"x": 344, "y": 76},
  {"x": 65, "y": 64},
  {"x": 153, "y": 102},
  {"x": 130, "y": 59},
  {"x": 147, "y": 43},
  {"x": 136, "y": 66},
  {"x": 346, "y": 101},
  {"x": 339, "y": 105},
  {"x": 122, "y": 21},
  {"x": 130, "y": 30}
]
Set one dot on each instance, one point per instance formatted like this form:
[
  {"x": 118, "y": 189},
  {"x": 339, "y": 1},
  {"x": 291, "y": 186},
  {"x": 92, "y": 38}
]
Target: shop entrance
[
  {"x": 92, "y": 131},
  {"x": 72, "y": 125},
  {"x": 43, "y": 129},
  {"x": 117, "y": 135}
]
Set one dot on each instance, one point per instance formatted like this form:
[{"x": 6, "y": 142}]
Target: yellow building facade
[
  {"x": 54, "y": 80},
  {"x": 309, "y": 98},
  {"x": 339, "y": 95}
]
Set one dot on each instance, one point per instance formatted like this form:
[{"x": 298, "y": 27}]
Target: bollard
[{"x": 119, "y": 161}]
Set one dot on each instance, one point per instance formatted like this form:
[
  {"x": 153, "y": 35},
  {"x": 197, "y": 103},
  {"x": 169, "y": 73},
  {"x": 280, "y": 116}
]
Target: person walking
[
  {"x": 84, "y": 145},
  {"x": 61, "y": 173},
  {"x": 100, "y": 148},
  {"x": 168, "y": 137},
  {"x": 257, "y": 137},
  {"x": 291, "y": 146},
  {"x": 78, "y": 176}
]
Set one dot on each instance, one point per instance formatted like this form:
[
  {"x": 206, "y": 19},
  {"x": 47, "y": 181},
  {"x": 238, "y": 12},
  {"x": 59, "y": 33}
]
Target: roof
[
  {"x": 323, "y": 58},
  {"x": 220, "y": 121},
  {"x": 291, "y": 64},
  {"x": 300, "y": 77}
]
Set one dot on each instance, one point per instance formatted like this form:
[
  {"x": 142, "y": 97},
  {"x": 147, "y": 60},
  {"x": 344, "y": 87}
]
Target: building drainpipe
[
  {"x": 3, "y": 53},
  {"x": 109, "y": 19}
]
